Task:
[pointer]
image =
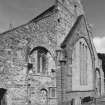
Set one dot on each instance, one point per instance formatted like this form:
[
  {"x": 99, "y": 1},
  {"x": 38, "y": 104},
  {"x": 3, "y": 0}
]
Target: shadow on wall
[{"x": 3, "y": 96}]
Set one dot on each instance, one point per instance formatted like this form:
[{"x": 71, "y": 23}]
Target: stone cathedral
[{"x": 50, "y": 60}]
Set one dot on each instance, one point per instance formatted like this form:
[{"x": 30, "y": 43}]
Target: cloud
[{"x": 99, "y": 43}]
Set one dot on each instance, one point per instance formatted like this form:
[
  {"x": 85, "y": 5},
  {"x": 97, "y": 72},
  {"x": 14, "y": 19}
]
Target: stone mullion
[
  {"x": 85, "y": 65},
  {"x": 84, "y": 55},
  {"x": 82, "y": 66},
  {"x": 80, "y": 63},
  {"x": 36, "y": 59}
]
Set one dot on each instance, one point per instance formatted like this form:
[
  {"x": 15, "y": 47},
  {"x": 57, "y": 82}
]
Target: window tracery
[{"x": 43, "y": 62}]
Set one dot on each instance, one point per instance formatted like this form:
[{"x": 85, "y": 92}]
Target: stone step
[{"x": 100, "y": 103}]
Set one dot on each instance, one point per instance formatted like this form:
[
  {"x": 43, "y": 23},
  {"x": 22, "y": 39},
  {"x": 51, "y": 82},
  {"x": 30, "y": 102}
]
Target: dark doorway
[{"x": 3, "y": 96}]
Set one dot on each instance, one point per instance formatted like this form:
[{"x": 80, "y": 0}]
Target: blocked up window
[{"x": 52, "y": 92}]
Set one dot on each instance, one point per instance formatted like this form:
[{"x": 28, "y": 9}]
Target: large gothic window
[{"x": 82, "y": 69}]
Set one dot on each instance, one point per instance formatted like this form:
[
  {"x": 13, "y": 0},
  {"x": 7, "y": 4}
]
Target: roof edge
[
  {"x": 63, "y": 44},
  {"x": 40, "y": 16}
]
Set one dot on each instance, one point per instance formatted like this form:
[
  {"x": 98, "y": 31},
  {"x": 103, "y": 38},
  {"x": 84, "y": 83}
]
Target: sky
[
  {"x": 18, "y": 12},
  {"x": 95, "y": 13}
]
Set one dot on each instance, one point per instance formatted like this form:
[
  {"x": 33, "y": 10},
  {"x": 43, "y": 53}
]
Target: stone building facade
[{"x": 50, "y": 60}]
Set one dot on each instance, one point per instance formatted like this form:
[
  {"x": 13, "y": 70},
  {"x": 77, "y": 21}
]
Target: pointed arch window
[{"x": 39, "y": 59}]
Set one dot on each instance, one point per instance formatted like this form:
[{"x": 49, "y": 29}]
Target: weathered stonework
[
  {"x": 56, "y": 31},
  {"x": 15, "y": 47}
]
